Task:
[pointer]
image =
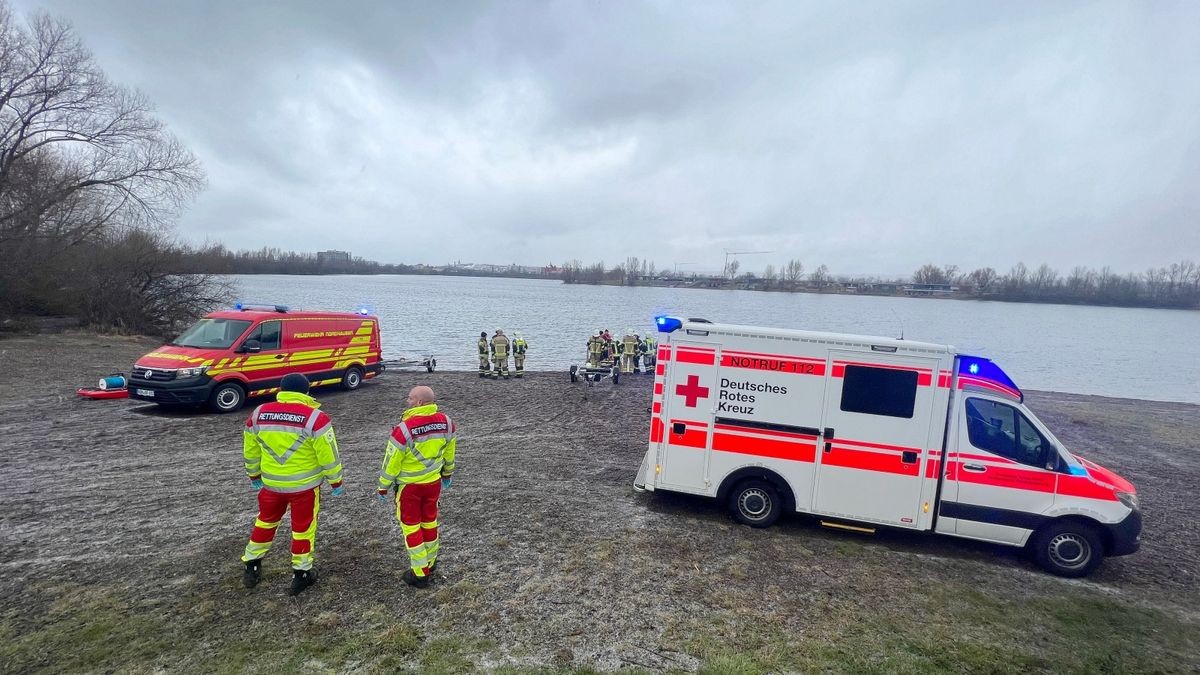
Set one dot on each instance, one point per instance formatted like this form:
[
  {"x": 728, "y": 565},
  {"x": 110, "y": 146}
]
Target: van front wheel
[
  {"x": 352, "y": 379},
  {"x": 755, "y": 503},
  {"x": 1068, "y": 548},
  {"x": 227, "y": 398}
]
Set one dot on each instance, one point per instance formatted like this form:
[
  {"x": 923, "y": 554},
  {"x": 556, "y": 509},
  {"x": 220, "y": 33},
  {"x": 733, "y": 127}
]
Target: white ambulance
[{"x": 878, "y": 432}]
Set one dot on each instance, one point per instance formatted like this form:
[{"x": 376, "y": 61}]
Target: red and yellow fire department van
[
  {"x": 874, "y": 431},
  {"x": 232, "y": 355}
]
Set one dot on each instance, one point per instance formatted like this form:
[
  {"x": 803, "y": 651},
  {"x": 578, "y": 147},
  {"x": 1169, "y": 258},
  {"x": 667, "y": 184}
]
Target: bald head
[{"x": 420, "y": 395}]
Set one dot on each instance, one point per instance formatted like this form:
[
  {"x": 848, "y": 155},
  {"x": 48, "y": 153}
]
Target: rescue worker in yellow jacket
[
  {"x": 419, "y": 462},
  {"x": 290, "y": 449},
  {"x": 485, "y": 354},
  {"x": 500, "y": 354},
  {"x": 595, "y": 346},
  {"x": 519, "y": 347},
  {"x": 628, "y": 351}
]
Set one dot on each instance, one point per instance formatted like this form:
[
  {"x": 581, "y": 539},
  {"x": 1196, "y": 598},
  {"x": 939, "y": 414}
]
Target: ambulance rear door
[
  {"x": 875, "y": 433},
  {"x": 688, "y": 397}
]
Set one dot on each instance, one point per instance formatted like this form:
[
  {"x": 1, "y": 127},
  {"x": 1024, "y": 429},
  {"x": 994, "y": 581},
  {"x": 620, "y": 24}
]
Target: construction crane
[{"x": 729, "y": 252}]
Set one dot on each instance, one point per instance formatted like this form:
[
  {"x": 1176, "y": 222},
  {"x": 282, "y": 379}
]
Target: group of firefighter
[
  {"x": 290, "y": 450},
  {"x": 493, "y": 354},
  {"x": 631, "y": 353}
]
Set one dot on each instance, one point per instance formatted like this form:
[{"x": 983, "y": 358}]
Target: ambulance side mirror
[{"x": 251, "y": 346}]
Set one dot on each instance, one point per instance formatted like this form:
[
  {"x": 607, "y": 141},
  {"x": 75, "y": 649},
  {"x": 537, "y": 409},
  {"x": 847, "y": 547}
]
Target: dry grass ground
[{"x": 121, "y": 525}]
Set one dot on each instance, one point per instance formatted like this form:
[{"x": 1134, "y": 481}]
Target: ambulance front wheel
[
  {"x": 1068, "y": 548},
  {"x": 755, "y": 503}
]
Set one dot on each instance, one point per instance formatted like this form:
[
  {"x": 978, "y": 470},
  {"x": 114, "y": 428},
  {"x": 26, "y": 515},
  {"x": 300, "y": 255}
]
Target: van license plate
[{"x": 146, "y": 392}]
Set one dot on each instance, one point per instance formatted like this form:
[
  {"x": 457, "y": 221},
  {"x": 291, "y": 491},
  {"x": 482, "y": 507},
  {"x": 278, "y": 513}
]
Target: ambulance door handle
[
  {"x": 828, "y": 435},
  {"x": 280, "y": 356},
  {"x": 974, "y": 468}
]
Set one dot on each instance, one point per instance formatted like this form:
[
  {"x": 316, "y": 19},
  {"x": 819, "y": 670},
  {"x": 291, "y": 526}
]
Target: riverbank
[{"x": 120, "y": 528}]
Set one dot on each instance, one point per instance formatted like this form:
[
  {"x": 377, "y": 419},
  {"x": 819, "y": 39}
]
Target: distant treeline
[
  {"x": 216, "y": 259},
  {"x": 1174, "y": 286}
]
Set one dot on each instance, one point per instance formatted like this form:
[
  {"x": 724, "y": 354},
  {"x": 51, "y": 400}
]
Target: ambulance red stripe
[{"x": 763, "y": 447}]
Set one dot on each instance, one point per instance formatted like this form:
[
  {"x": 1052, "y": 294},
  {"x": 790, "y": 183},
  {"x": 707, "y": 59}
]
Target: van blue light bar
[
  {"x": 667, "y": 324},
  {"x": 981, "y": 372},
  {"x": 243, "y": 306}
]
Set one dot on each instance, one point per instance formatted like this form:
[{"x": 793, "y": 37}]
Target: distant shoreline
[{"x": 760, "y": 285}]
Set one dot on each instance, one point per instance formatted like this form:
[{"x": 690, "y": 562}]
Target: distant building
[
  {"x": 929, "y": 289},
  {"x": 333, "y": 257}
]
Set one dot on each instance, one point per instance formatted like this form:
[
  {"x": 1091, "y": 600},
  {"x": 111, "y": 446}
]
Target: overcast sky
[{"x": 870, "y": 137}]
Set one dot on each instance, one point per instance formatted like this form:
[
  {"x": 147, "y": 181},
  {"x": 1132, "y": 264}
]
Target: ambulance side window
[
  {"x": 1002, "y": 430},
  {"x": 879, "y": 391},
  {"x": 270, "y": 335}
]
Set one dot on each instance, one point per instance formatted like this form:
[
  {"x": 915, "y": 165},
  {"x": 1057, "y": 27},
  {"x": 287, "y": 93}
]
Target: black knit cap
[{"x": 294, "y": 382}]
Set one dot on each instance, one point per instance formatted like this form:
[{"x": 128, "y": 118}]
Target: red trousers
[
  {"x": 417, "y": 511},
  {"x": 271, "y": 507}
]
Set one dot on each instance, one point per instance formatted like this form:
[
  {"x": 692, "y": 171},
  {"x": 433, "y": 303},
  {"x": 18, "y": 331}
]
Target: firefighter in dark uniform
[{"x": 485, "y": 365}]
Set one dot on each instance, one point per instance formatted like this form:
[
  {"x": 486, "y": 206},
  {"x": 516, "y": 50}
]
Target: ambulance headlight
[
  {"x": 667, "y": 324},
  {"x": 1128, "y": 499},
  {"x": 192, "y": 372}
]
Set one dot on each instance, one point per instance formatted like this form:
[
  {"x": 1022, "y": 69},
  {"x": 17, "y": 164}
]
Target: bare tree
[
  {"x": 821, "y": 277},
  {"x": 733, "y": 268},
  {"x": 81, "y": 160},
  {"x": 769, "y": 273},
  {"x": 982, "y": 279},
  {"x": 930, "y": 274},
  {"x": 793, "y": 271}
]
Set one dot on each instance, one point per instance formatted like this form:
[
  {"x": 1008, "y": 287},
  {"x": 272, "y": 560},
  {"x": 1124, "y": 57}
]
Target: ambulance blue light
[
  {"x": 668, "y": 324},
  {"x": 1077, "y": 470},
  {"x": 983, "y": 372}
]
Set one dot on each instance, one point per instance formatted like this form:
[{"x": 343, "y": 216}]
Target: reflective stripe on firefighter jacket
[
  {"x": 500, "y": 347},
  {"x": 421, "y": 448},
  {"x": 520, "y": 346},
  {"x": 290, "y": 445},
  {"x": 483, "y": 347},
  {"x": 629, "y": 345}
]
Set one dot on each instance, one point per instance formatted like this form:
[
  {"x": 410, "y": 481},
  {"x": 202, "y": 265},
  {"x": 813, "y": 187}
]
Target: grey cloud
[{"x": 872, "y": 137}]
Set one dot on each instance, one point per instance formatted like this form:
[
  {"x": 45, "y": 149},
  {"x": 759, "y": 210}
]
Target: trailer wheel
[
  {"x": 574, "y": 378},
  {"x": 227, "y": 398},
  {"x": 755, "y": 503},
  {"x": 1068, "y": 548},
  {"x": 352, "y": 378}
]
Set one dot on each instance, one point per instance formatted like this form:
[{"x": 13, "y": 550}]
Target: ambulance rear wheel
[
  {"x": 755, "y": 503},
  {"x": 1068, "y": 548},
  {"x": 227, "y": 398},
  {"x": 352, "y": 379}
]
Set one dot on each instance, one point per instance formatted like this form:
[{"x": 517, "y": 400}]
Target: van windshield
[{"x": 212, "y": 334}]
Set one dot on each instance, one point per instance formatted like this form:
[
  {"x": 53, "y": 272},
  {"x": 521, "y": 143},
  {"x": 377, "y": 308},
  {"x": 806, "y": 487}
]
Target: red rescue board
[{"x": 92, "y": 392}]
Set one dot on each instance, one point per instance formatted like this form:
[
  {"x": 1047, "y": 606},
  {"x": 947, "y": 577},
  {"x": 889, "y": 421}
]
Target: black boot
[
  {"x": 415, "y": 581},
  {"x": 302, "y": 579},
  {"x": 252, "y": 573}
]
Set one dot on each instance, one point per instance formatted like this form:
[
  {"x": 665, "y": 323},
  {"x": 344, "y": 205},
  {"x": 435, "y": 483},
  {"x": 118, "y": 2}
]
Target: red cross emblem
[{"x": 691, "y": 391}]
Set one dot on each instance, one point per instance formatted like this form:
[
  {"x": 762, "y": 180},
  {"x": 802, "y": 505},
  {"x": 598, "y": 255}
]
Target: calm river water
[{"x": 1132, "y": 353}]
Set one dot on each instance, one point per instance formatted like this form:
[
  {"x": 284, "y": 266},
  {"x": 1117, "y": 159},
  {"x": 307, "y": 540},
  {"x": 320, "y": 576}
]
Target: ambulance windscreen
[{"x": 983, "y": 373}]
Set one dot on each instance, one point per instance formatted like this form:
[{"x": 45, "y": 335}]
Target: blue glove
[
  {"x": 446, "y": 483},
  {"x": 257, "y": 483},
  {"x": 383, "y": 497},
  {"x": 337, "y": 491}
]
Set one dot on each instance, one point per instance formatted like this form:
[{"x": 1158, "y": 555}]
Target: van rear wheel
[
  {"x": 227, "y": 398},
  {"x": 755, "y": 503},
  {"x": 352, "y": 379},
  {"x": 1068, "y": 548}
]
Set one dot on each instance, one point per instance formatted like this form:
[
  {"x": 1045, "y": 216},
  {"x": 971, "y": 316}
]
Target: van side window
[
  {"x": 879, "y": 391},
  {"x": 270, "y": 335},
  {"x": 1002, "y": 430}
]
